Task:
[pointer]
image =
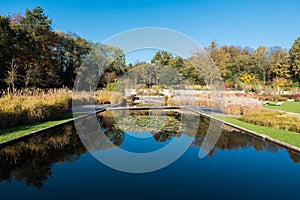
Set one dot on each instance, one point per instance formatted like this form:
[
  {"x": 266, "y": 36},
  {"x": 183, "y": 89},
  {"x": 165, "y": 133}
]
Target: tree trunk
[{"x": 264, "y": 77}]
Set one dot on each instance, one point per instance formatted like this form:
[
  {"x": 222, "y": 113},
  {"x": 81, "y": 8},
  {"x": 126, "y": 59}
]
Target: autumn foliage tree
[{"x": 40, "y": 56}]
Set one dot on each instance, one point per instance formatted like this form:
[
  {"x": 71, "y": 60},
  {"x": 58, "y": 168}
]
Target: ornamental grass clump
[
  {"x": 25, "y": 107},
  {"x": 189, "y": 100},
  {"x": 278, "y": 120},
  {"x": 229, "y": 105},
  {"x": 241, "y": 105},
  {"x": 108, "y": 97}
]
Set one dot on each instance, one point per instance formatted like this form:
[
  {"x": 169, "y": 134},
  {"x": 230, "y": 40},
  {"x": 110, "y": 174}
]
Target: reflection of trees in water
[
  {"x": 31, "y": 160},
  {"x": 164, "y": 136},
  {"x": 231, "y": 139},
  {"x": 109, "y": 128},
  {"x": 294, "y": 156},
  {"x": 111, "y": 120}
]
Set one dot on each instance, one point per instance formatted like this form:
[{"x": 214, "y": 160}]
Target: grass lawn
[
  {"x": 17, "y": 131},
  {"x": 287, "y": 106},
  {"x": 288, "y": 137}
]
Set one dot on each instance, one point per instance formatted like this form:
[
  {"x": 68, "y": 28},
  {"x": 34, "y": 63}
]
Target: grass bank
[
  {"x": 10, "y": 133},
  {"x": 284, "y": 136}
]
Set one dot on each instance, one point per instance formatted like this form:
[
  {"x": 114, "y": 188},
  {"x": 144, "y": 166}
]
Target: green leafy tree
[
  {"x": 161, "y": 58},
  {"x": 169, "y": 77},
  {"x": 102, "y": 59}
]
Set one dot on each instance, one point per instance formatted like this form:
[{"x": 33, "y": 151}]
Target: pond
[{"x": 56, "y": 164}]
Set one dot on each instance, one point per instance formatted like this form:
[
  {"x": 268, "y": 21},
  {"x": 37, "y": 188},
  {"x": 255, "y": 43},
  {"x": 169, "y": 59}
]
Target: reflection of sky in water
[{"x": 142, "y": 145}]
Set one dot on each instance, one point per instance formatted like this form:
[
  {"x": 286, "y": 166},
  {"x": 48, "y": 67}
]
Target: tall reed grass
[
  {"x": 30, "y": 107},
  {"x": 34, "y": 106},
  {"x": 229, "y": 105}
]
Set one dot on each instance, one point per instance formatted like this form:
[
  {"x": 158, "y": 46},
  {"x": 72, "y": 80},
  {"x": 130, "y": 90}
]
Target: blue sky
[{"x": 229, "y": 22}]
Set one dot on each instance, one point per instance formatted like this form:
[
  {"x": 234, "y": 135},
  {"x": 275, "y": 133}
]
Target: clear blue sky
[{"x": 230, "y": 22}]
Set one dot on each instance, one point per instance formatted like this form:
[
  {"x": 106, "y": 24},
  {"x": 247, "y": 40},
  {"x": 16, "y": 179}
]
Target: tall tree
[
  {"x": 295, "y": 60},
  {"x": 261, "y": 59},
  {"x": 280, "y": 64},
  {"x": 68, "y": 53},
  {"x": 161, "y": 58},
  {"x": 101, "y": 60},
  {"x": 7, "y": 47},
  {"x": 36, "y": 44}
]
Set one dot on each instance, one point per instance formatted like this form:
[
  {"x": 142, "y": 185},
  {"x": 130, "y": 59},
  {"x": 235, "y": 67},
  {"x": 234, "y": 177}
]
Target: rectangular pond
[{"x": 57, "y": 164}]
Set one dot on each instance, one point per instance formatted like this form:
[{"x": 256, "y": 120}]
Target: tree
[
  {"x": 35, "y": 44},
  {"x": 295, "y": 60},
  {"x": 102, "y": 59},
  {"x": 261, "y": 59},
  {"x": 279, "y": 62},
  {"x": 44, "y": 58},
  {"x": 213, "y": 46},
  {"x": 176, "y": 63},
  {"x": 191, "y": 73},
  {"x": 169, "y": 77},
  {"x": 67, "y": 55},
  {"x": 279, "y": 82},
  {"x": 204, "y": 64},
  {"x": 12, "y": 76},
  {"x": 161, "y": 58},
  {"x": 7, "y": 47},
  {"x": 232, "y": 62},
  {"x": 221, "y": 58}
]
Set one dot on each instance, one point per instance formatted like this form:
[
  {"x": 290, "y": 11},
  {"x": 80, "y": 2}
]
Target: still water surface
[{"x": 56, "y": 165}]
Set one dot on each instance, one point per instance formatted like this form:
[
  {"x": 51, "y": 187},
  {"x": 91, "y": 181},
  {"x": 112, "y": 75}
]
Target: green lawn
[
  {"x": 287, "y": 106},
  {"x": 18, "y": 131},
  {"x": 288, "y": 137}
]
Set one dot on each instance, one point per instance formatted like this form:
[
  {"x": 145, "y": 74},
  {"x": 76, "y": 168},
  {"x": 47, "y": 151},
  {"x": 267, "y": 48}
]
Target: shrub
[
  {"x": 295, "y": 96},
  {"x": 282, "y": 99},
  {"x": 288, "y": 96}
]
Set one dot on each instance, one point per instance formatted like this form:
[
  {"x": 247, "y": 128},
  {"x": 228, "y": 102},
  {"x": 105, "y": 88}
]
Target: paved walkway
[
  {"x": 91, "y": 108},
  {"x": 204, "y": 109}
]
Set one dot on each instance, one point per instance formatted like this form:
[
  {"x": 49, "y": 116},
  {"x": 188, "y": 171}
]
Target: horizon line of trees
[
  {"x": 32, "y": 54},
  {"x": 240, "y": 68}
]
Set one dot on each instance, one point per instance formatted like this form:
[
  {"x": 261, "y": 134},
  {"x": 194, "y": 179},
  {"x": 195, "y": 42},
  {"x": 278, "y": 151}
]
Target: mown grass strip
[
  {"x": 18, "y": 131},
  {"x": 293, "y": 107},
  {"x": 284, "y": 136}
]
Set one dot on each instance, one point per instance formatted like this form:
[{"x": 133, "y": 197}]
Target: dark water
[{"x": 56, "y": 165}]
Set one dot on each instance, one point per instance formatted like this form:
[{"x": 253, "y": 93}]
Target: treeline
[
  {"x": 240, "y": 68},
  {"x": 33, "y": 55},
  {"x": 244, "y": 67}
]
